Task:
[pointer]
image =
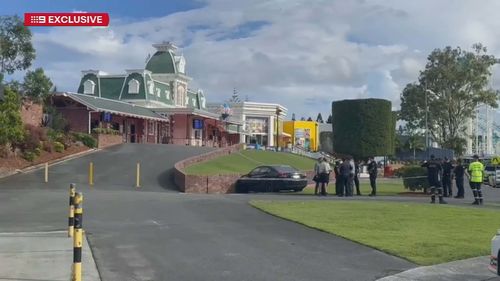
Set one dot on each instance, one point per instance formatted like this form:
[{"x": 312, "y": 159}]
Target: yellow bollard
[
  {"x": 71, "y": 218},
  {"x": 138, "y": 175},
  {"x": 78, "y": 238},
  {"x": 91, "y": 173},
  {"x": 47, "y": 172}
]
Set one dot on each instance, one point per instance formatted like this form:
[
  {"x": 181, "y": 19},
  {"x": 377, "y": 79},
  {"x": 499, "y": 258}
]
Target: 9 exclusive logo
[{"x": 66, "y": 19}]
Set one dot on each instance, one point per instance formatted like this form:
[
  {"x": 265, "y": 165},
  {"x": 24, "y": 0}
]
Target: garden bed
[{"x": 11, "y": 164}]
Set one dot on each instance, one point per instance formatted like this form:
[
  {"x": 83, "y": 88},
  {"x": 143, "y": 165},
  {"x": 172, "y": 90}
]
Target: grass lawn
[
  {"x": 247, "y": 160},
  {"x": 384, "y": 188},
  {"x": 424, "y": 234}
]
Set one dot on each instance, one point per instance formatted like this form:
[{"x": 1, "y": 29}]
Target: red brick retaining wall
[
  {"x": 205, "y": 184},
  {"x": 105, "y": 140},
  {"x": 210, "y": 184}
]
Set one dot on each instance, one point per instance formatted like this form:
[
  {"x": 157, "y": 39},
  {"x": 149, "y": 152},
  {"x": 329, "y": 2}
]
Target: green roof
[
  {"x": 116, "y": 107},
  {"x": 111, "y": 87},
  {"x": 161, "y": 62}
]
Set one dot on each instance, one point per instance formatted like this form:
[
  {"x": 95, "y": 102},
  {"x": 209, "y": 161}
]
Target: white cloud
[{"x": 308, "y": 54}]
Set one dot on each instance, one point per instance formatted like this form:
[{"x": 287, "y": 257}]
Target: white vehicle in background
[{"x": 495, "y": 253}]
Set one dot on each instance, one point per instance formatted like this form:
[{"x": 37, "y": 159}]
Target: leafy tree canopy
[
  {"x": 36, "y": 84},
  {"x": 16, "y": 50},
  {"x": 452, "y": 85}
]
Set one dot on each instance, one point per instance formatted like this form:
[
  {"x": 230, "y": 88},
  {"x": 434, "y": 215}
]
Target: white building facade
[{"x": 259, "y": 121}]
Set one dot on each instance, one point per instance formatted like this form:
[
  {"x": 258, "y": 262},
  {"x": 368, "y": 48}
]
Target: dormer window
[
  {"x": 133, "y": 86},
  {"x": 88, "y": 87}
]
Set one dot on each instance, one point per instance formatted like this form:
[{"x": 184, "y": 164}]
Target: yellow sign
[{"x": 495, "y": 160}]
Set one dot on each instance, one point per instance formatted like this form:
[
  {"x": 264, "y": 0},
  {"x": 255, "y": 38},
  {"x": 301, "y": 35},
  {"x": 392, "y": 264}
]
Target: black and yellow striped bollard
[
  {"x": 78, "y": 238},
  {"x": 71, "y": 218}
]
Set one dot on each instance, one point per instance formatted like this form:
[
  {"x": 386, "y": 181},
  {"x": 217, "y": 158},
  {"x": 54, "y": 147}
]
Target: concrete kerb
[
  {"x": 32, "y": 255},
  {"x": 54, "y": 162},
  {"x": 473, "y": 269}
]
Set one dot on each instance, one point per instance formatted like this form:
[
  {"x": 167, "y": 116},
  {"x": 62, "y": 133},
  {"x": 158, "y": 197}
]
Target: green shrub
[
  {"x": 29, "y": 155},
  {"x": 414, "y": 177},
  {"x": 58, "y": 147},
  {"x": 47, "y": 146},
  {"x": 37, "y": 151},
  {"x": 86, "y": 139},
  {"x": 106, "y": 131}
]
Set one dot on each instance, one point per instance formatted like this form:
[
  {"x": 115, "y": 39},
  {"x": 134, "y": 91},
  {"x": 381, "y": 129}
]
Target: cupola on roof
[{"x": 163, "y": 60}]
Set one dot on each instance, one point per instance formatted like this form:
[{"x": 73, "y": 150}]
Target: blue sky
[{"x": 303, "y": 54}]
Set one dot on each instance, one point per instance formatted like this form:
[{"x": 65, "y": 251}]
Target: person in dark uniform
[
  {"x": 447, "y": 171},
  {"x": 373, "y": 171},
  {"x": 356, "y": 177},
  {"x": 336, "y": 171},
  {"x": 459, "y": 173},
  {"x": 434, "y": 170},
  {"x": 345, "y": 174}
]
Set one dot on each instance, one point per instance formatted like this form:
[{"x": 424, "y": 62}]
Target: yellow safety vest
[{"x": 476, "y": 171}]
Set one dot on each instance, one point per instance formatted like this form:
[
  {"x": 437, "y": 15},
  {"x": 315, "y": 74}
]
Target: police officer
[
  {"x": 447, "y": 170},
  {"x": 459, "y": 172},
  {"x": 476, "y": 174},
  {"x": 433, "y": 175},
  {"x": 356, "y": 177},
  {"x": 373, "y": 171}
]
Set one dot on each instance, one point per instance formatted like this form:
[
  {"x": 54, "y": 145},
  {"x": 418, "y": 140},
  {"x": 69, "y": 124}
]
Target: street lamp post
[
  {"x": 426, "y": 120},
  {"x": 278, "y": 111}
]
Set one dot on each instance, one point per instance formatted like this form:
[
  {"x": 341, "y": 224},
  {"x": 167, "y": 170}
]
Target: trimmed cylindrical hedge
[{"x": 363, "y": 127}]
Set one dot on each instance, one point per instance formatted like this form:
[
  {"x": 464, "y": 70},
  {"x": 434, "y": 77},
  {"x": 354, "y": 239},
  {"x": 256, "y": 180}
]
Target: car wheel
[{"x": 498, "y": 267}]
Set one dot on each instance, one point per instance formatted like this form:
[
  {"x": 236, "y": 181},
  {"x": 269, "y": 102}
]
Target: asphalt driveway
[{"x": 155, "y": 233}]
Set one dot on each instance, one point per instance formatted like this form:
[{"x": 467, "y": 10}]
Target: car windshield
[{"x": 284, "y": 169}]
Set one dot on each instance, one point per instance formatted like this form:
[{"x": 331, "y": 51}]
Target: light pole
[{"x": 426, "y": 124}]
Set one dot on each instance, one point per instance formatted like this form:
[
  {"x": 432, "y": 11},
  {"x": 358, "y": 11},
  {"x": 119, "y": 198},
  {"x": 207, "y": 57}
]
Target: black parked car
[{"x": 273, "y": 178}]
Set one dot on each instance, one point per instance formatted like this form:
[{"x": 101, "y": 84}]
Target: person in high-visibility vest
[{"x": 476, "y": 175}]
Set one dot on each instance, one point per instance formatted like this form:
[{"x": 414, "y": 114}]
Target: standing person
[
  {"x": 345, "y": 172},
  {"x": 433, "y": 175},
  {"x": 356, "y": 177},
  {"x": 459, "y": 172},
  {"x": 324, "y": 171},
  {"x": 316, "y": 177},
  {"x": 352, "y": 173},
  {"x": 476, "y": 175},
  {"x": 447, "y": 171},
  {"x": 373, "y": 171},
  {"x": 336, "y": 170}
]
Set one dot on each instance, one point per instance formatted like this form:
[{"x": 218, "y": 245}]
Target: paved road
[{"x": 155, "y": 233}]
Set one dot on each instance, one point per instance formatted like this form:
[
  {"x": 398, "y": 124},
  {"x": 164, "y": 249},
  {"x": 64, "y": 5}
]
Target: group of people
[
  {"x": 440, "y": 175},
  {"x": 346, "y": 176}
]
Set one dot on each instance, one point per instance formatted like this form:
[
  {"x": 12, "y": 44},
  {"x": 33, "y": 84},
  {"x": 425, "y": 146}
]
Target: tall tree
[
  {"x": 319, "y": 119},
  {"x": 454, "y": 82},
  {"x": 302, "y": 118},
  {"x": 10, "y": 118},
  {"x": 293, "y": 116},
  {"x": 309, "y": 119},
  {"x": 16, "y": 50},
  {"x": 36, "y": 85},
  {"x": 329, "y": 120},
  {"x": 235, "y": 98}
]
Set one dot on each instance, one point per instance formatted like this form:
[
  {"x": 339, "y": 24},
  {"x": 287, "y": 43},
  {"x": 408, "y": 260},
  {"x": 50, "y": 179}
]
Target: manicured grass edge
[{"x": 251, "y": 203}]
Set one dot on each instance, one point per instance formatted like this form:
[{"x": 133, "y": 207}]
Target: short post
[
  {"x": 47, "y": 172},
  {"x": 138, "y": 175},
  {"x": 91, "y": 173},
  {"x": 78, "y": 238},
  {"x": 71, "y": 218}
]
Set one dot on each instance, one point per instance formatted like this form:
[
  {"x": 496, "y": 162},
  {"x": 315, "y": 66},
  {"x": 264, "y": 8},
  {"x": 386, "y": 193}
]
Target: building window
[
  {"x": 133, "y": 86},
  {"x": 158, "y": 92},
  {"x": 180, "y": 99},
  {"x": 88, "y": 87}
]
